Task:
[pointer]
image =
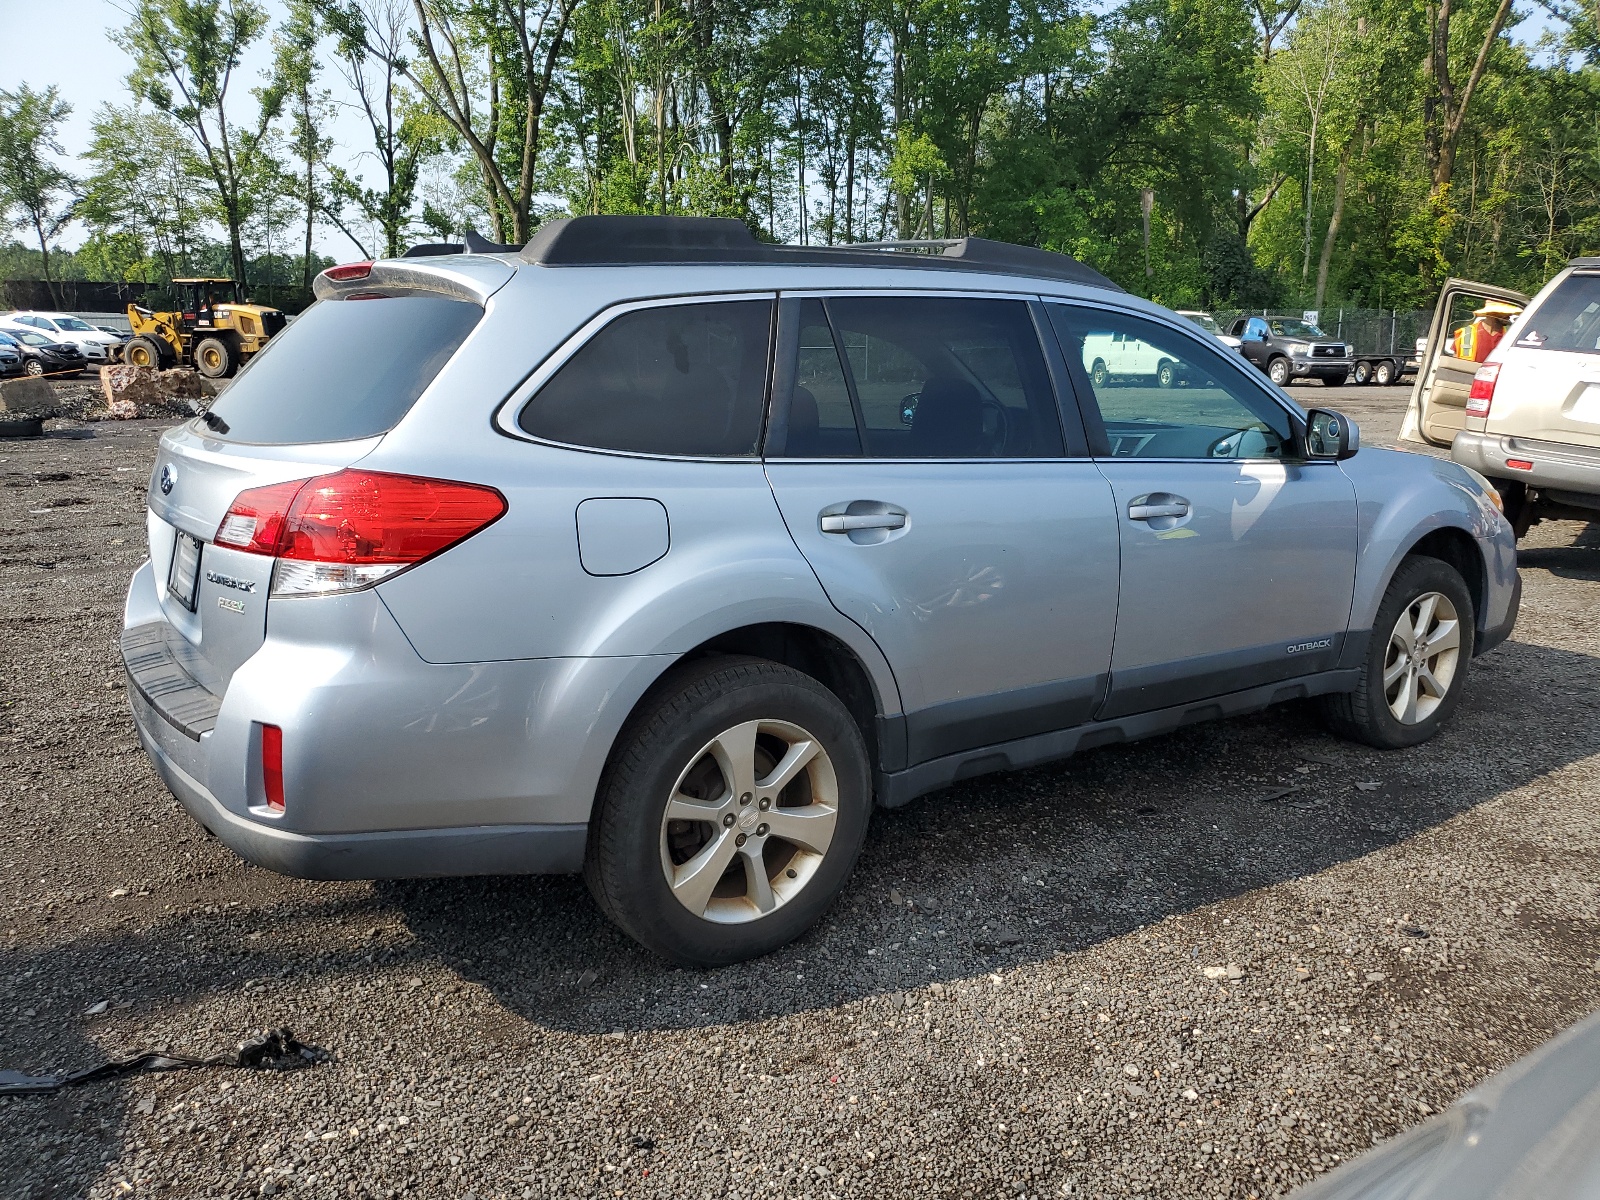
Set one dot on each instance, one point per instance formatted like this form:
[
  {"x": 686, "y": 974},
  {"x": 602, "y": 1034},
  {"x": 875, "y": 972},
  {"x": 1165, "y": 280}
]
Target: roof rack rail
[
  {"x": 639, "y": 240},
  {"x": 470, "y": 243}
]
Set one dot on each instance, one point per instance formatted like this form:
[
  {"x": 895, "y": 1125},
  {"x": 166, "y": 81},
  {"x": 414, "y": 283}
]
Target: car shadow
[
  {"x": 1576, "y": 560},
  {"x": 992, "y": 874}
]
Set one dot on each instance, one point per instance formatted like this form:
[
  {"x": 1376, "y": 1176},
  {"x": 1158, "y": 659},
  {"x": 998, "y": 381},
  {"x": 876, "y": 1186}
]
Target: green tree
[
  {"x": 185, "y": 54},
  {"x": 35, "y": 192}
]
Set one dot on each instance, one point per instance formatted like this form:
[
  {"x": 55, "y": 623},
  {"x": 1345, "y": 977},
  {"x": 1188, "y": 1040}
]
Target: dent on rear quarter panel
[{"x": 1403, "y": 497}]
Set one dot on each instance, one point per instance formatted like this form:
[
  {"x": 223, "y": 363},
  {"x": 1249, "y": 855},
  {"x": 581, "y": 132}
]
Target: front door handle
[
  {"x": 845, "y": 522},
  {"x": 1146, "y": 508}
]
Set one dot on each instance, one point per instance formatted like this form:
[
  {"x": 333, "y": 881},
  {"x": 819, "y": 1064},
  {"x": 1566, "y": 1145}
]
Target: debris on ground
[{"x": 274, "y": 1050}]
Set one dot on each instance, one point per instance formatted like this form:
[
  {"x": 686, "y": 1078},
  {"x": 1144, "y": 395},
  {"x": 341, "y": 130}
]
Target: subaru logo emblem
[{"x": 169, "y": 479}]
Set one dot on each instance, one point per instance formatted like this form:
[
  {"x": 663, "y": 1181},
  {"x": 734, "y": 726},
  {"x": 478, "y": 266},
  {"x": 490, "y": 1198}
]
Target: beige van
[{"x": 1528, "y": 417}]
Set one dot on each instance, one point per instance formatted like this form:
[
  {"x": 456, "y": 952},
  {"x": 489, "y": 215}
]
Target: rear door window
[
  {"x": 344, "y": 369},
  {"x": 682, "y": 380},
  {"x": 921, "y": 377},
  {"x": 1569, "y": 319}
]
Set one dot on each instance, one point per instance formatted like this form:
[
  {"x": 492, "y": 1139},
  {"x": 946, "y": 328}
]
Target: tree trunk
[
  {"x": 1333, "y": 223},
  {"x": 44, "y": 253}
]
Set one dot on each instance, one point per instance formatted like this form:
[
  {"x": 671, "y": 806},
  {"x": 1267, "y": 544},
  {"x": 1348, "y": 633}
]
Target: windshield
[
  {"x": 73, "y": 324},
  {"x": 344, "y": 369},
  {"x": 35, "y": 339},
  {"x": 1283, "y": 328},
  {"x": 7, "y": 340},
  {"x": 1206, "y": 321}
]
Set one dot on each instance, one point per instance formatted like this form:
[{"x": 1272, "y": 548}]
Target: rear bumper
[
  {"x": 393, "y": 767},
  {"x": 389, "y": 854},
  {"x": 1556, "y": 465}
]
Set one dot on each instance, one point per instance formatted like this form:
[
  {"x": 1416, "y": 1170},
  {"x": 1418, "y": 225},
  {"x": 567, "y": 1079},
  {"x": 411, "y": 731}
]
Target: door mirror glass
[{"x": 1330, "y": 435}]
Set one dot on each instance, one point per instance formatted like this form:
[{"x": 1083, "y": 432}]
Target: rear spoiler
[{"x": 472, "y": 279}]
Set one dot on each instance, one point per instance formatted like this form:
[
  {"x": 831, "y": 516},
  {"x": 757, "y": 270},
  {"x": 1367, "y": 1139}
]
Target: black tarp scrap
[{"x": 275, "y": 1050}]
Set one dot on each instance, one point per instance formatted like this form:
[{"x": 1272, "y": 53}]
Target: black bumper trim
[{"x": 172, "y": 693}]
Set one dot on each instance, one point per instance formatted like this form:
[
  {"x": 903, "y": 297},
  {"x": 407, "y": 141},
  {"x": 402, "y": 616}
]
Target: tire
[
  {"x": 1369, "y": 714},
  {"x": 142, "y": 352},
  {"x": 1362, "y": 372},
  {"x": 34, "y": 367},
  {"x": 1383, "y": 373},
  {"x": 1278, "y": 371},
  {"x": 716, "y": 711},
  {"x": 1334, "y": 380},
  {"x": 214, "y": 358},
  {"x": 1519, "y": 509},
  {"x": 1167, "y": 375},
  {"x": 1098, "y": 375}
]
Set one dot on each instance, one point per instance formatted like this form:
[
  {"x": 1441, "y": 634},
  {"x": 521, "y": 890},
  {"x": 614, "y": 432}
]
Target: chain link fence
[{"x": 1370, "y": 331}]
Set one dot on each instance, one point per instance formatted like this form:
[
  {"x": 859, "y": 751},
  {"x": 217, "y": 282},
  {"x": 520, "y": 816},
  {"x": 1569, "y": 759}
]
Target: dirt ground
[{"x": 1011, "y": 999}]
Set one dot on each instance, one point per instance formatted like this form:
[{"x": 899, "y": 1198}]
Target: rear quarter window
[
  {"x": 344, "y": 369},
  {"x": 1569, "y": 319},
  {"x": 683, "y": 380}
]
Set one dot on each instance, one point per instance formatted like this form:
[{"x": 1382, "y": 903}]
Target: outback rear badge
[
  {"x": 228, "y": 581},
  {"x": 1302, "y": 647},
  {"x": 229, "y": 603}
]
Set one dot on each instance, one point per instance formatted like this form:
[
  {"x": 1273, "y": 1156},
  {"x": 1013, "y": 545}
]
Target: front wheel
[
  {"x": 142, "y": 352},
  {"x": 1167, "y": 375},
  {"x": 1416, "y": 663},
  {"x": 34, "y": 368},
  {"x": 214, "y": 358},
  {"x": 1334, "y": 380},
  {"x": 1098, "y": 375},
  {"x": 731, "y": 814},
  {"x": 1278, "y": 371}
]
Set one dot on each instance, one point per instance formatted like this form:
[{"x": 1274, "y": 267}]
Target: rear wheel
[
  {"x": 1098, "y": 373},
  {"x": 214, "y": 358},
  {"x": 731, "y": 814},
  {"x": 1383, "y": 374},
  {"x": 142, "y": 352},
  {"x": 1362, "y": 372},
  {"x": 1167, "y": 375},
  {"x": 1278, "y": 371},
  {"x": 1416, "y": 664},
  {"x": 1518, "y": 506}
]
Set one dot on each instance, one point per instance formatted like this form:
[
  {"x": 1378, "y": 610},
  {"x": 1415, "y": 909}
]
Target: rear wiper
[{"x": 214, "y": 422}]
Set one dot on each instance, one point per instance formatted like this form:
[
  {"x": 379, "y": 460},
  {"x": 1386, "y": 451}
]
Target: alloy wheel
[
  {"x": 1423, "y": 654},
  {"x": 749, "y": 821}
]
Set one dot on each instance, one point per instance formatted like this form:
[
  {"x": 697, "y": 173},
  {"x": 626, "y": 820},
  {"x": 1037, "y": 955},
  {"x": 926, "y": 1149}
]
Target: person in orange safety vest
[{"x": 1474, "y": 342}]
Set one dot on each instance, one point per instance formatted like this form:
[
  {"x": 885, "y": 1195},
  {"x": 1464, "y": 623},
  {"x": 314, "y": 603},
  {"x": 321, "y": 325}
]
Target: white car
[
  {"x": 1528, "y": 417},
  {"x": 1209, "y": 323},
  {"x": 97, "y": 345}
]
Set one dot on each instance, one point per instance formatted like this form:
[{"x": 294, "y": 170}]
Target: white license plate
[{"x": 183, "y": 577}]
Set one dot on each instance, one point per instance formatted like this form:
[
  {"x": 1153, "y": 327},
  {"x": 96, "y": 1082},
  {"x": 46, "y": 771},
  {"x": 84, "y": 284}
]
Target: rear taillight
[
  {"x": 348, "y": 530},
  {"x": 1482, "y": 394},
  {"x": 272, "y": 766}
]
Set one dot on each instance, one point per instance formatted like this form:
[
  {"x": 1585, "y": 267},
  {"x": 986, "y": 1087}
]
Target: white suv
[
  {"x": 1529, "y": 416},
  {"x": 96, "y": 344}
]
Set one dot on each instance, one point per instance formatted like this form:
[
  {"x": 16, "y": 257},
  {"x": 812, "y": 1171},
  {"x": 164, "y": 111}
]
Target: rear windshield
[
  {"x": 1569, "y": 319},
  {"x": 343, "y": 369}
]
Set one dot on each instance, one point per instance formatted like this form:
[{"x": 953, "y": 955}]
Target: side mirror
[{"x": 1331, "y": 435}]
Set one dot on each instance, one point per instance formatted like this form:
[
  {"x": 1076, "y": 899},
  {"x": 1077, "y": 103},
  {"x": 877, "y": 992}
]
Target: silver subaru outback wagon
[{"x": 657, "y": 553}]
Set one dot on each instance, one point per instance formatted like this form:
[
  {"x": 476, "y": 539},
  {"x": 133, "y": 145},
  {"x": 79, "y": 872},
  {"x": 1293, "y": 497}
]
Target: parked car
[
  {"x": 41, "y": 356},
  {"x": 10, "y": 355},
  {"x": 1529, "y": 1132},
  {"x": 1209, "y": 323},
  {"x": 1287, "y": 348},
  {"x": 620, "y": 553},
  {"x": 98, "y": 345},
  {"x": 1529, "y": 416}
]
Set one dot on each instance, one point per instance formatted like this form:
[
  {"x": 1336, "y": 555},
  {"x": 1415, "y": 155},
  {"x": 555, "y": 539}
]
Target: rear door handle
[
  {"x": 845, "y": 522},
  {"x": 1143, "y": 509}
]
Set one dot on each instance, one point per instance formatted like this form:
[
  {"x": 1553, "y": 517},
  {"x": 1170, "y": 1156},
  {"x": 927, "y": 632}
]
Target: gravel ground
[{"x": 1213, "y": 964}]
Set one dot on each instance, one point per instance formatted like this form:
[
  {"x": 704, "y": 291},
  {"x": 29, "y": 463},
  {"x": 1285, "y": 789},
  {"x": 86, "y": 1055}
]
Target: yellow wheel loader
[{"x": 215, "y": 332}]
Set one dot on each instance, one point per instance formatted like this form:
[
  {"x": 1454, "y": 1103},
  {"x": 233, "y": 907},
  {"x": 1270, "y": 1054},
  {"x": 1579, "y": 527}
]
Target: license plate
[{"x": 183, "y": 578}]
